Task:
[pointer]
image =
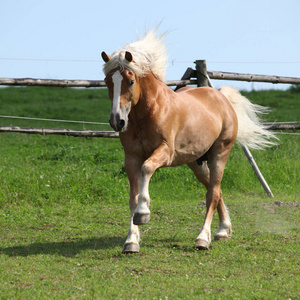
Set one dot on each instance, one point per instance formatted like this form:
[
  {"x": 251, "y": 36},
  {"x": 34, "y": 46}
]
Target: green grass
[
  {"x": 90, "y": 105},
  {"x": 64, "y": 213},
  {"x": 284, "y": 105}
]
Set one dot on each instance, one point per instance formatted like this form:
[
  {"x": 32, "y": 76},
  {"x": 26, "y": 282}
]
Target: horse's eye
[{"x": 131, "y": 83}]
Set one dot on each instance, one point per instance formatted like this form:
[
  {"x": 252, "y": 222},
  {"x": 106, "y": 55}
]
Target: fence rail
[
  {"x": 73, "y": 83},
  {"x": 112, "y": 134},
  {"x": 100, "y": 83},
  {"x": 60, "y": 131},
  {"x": 283, "y": 126},
  {"x": 252, "y": 77}
]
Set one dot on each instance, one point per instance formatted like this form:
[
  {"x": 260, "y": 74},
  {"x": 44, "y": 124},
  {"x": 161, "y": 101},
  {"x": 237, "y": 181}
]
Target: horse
[{"x": 162, "y": 128}]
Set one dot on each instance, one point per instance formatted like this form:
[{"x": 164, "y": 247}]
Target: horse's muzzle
[{"x": 116, "y": 122}]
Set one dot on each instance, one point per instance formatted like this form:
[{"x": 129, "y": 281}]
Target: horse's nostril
[{"x": 121, "y": 124}]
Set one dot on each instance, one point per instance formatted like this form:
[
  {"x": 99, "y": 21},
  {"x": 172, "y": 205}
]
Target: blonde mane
[{"x": 149, "y": 54}]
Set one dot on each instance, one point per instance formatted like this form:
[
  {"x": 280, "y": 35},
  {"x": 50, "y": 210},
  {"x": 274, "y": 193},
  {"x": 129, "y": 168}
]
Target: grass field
[{"x": 64, "y": 212}]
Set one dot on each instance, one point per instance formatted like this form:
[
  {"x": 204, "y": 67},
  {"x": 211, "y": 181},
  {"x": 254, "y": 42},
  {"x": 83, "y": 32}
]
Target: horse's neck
[{"x": 150, "y": 91}]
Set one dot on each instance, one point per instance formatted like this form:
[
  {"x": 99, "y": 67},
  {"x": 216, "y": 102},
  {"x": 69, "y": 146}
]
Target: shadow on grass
[{"x": 65, "y": 248}]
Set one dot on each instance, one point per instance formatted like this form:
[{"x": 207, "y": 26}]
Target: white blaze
[
  {"x": 117, "y": 80},
  {"x": 116, "y": 107}
]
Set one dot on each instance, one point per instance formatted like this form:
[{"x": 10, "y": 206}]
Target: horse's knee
[{"x": 148, "y": 168}]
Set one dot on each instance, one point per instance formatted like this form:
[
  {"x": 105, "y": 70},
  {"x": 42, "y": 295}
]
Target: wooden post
[
  {"x": 186, "y": 76},
  {"x": 257, "y": 171},
  {"x": 201, "y": 74}
]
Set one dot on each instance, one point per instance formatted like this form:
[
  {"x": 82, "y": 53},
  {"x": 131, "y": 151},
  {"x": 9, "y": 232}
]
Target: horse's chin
[
  {"x": 120, "y": 130},
  {"x": 124, "y": 129}
]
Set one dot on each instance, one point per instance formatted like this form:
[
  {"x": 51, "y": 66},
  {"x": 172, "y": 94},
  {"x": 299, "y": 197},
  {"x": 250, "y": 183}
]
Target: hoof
[
  {"x": 223, "y": 234},
  {"x": 131, "y": 248},
  {"x": 220, "y": 238},
  {"x": 139, "y": 219},
  {"x": 202, "y": 245}
]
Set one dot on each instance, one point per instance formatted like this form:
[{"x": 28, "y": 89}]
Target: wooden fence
[
  {"x": 192, "y": 80},
  {"x": 113, "y": 134},
  {"x": 199, "y": 77}
]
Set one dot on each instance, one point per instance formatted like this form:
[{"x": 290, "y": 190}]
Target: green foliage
[
  {"x": 90, "y": 105},
  {"x": 295, "y": 88},
  {"x": 64, "y": 213},
  {"x": 284, "y": 105}
]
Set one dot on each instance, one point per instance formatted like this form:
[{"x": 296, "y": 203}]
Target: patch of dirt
[
  {"x": 271, "y": 206},
  {"x": 288, "y": 203}
]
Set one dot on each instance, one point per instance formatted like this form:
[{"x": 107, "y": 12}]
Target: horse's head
[{"x": 123, "y": 90}]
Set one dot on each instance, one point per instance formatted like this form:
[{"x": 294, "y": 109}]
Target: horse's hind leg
[
  {"x": 224, "y": 231},
  {"x": 212, "y": 180},
  {"x": 202, "y": 173}
]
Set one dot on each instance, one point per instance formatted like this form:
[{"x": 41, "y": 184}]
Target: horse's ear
[
  {"x": 128, "y": 56},
  {"x": 105, "y": 57}
]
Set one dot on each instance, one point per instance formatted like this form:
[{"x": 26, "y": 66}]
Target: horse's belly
[
  {"x": 191, "y": 148},
  {"x": 184, "y": 158}
]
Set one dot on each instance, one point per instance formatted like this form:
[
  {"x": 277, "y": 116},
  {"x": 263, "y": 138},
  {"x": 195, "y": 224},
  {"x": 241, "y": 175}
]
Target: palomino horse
[{"x": 162, "y": 128}]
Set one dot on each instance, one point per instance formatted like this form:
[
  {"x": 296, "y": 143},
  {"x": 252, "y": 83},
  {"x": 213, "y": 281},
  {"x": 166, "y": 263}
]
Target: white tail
[{"x": 251, "y": 132}]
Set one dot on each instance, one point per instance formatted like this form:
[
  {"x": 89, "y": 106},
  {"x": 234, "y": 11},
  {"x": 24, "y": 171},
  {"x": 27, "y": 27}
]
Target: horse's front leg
[
  {"x": 133, "y": 169},
  {"x": 159, "y": 158}
]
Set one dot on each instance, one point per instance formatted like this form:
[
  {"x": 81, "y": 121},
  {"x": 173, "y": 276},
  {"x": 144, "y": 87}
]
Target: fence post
[
  {"x": 257, "y": 171},
  {"x": 201, "y": 73},
  {"x": 186, "y": 76}
]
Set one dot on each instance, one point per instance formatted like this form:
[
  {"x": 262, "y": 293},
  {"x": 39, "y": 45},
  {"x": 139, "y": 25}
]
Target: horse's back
[
  {"x": 210, "y": 99},
  {"x": 205, "y": 95}
]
